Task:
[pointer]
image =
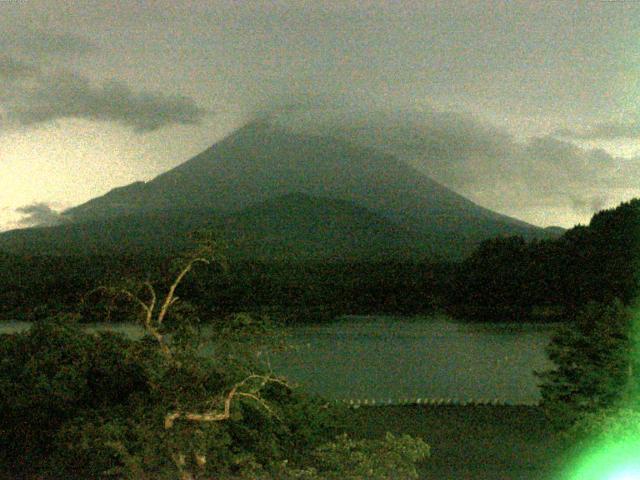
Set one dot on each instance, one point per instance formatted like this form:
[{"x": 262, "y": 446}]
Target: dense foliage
[
  {"x": 614, "y": 425},
  {"x": 594, "y": 364},
  {"x": 504, "y": 279},
  {"x": 38, "y": 286},
  {"x": 507, "y": 278},
  {"x": 184, "y": 402},
  {"x": 592, "y": 395}
]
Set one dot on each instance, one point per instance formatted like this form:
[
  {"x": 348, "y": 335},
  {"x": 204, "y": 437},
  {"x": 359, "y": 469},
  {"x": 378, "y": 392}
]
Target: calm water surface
[{"x": 436, "y": 358}]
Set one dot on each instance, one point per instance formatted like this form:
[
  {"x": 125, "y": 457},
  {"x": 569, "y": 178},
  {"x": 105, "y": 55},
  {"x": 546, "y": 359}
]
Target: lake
[
  {"x": 386, "y": 359},
  {"x": 395, "y": 360}
]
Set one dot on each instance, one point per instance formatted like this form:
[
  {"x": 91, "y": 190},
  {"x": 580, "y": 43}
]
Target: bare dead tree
[
  {"x": 250, "y": 388},
  {"x": 153, "y": 318}
]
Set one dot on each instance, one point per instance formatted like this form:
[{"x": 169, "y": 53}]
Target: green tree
[
  {"x": 489, "y": 285},
  {"x": 593, "y": 364},
  {"x": 186, "y": 401}
]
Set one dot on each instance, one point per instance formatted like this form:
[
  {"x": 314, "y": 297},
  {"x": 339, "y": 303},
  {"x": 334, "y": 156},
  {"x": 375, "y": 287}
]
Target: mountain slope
[
  {"x": 260, "y": 161},
  {"x": 297, "y": 226},
  {"x": 290, "y": 227}
]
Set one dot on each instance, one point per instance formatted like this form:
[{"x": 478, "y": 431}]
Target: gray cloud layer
[
  {"x": 481, "y": 161},
  {"x": 12, "y": 70},
  {"x": 604, "y": 131},
  {"x": 37, "y": 90},
  {"x": 39, "y": 44},
  {"x": 34, "y": 96},
  {"x": 38, "y": 214}
]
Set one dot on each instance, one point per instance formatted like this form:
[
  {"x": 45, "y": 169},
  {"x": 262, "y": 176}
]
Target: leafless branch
[
  {"x": 152, "y": 324},
  {"x": 169, "y": 299},
  {"x": 225, "y": 414}
]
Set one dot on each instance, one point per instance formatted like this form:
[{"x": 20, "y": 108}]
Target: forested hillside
[
  {"x": 510, "y": 278},
  {"x": 505, "y": 278}
]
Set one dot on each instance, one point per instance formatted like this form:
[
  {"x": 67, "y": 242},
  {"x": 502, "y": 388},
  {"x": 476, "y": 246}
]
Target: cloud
[
  {"x": 604, "y": 131},
  {"x": 38, "y": 214},
  {"x": 33, "y": 95},
  {"x": 480, "y": 161},
  {"x": 72, "y": 96},
  {"x": 588, "y": 205},
  {"x": 38, "y": 43},
  {"x": 447, "y": 145},
  {"x": 12, "y": 69}
]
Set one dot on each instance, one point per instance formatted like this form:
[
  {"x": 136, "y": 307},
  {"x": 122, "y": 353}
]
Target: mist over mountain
[{"x": 287, "y": 191}]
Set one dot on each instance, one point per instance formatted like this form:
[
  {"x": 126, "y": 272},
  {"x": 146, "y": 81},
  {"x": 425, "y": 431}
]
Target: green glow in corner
[
  {"x": 615, "y": 453},
  {"x": 609, "y": 462},
  {"x": 632, "y": 473}
]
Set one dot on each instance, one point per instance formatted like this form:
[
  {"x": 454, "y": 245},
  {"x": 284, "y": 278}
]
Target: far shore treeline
[{"x": 505, "y": 278}]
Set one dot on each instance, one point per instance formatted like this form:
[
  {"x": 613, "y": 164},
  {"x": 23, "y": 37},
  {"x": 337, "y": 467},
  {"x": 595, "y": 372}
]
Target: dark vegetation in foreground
[
  {"x": 472, "y": 442},
  {"x": 103, "y": 406},
  {"x": 504, "y": 279},
  {"x": 100, "y": 406},
  {"x": 80, "y": 405}
]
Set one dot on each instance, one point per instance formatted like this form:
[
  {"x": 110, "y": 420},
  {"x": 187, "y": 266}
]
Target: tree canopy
[{"x": 187, "y": 401}]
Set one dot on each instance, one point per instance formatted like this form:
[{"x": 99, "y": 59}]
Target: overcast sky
[{"x": 529, "y": 108}]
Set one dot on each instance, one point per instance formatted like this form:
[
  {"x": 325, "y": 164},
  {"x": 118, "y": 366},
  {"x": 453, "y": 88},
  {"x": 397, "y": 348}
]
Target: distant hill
[
  {"x": 278, "y": 193},
  {"x": 289, "y": 227},
  {"x": 297, "y": 226}
]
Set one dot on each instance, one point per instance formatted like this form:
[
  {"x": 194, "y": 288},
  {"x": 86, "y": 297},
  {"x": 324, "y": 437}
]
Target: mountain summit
[{"x": 261, "y": 162}]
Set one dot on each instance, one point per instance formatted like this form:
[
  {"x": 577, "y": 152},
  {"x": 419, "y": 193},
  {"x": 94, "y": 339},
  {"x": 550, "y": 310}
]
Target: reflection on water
[{"x": 382, "y": 358}]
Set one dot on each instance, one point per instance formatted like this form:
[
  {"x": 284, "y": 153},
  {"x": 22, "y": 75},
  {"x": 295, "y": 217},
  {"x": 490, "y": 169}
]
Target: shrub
[
  {"x": 592, "y": 358},
  {"x": 81, "y": 405}
]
